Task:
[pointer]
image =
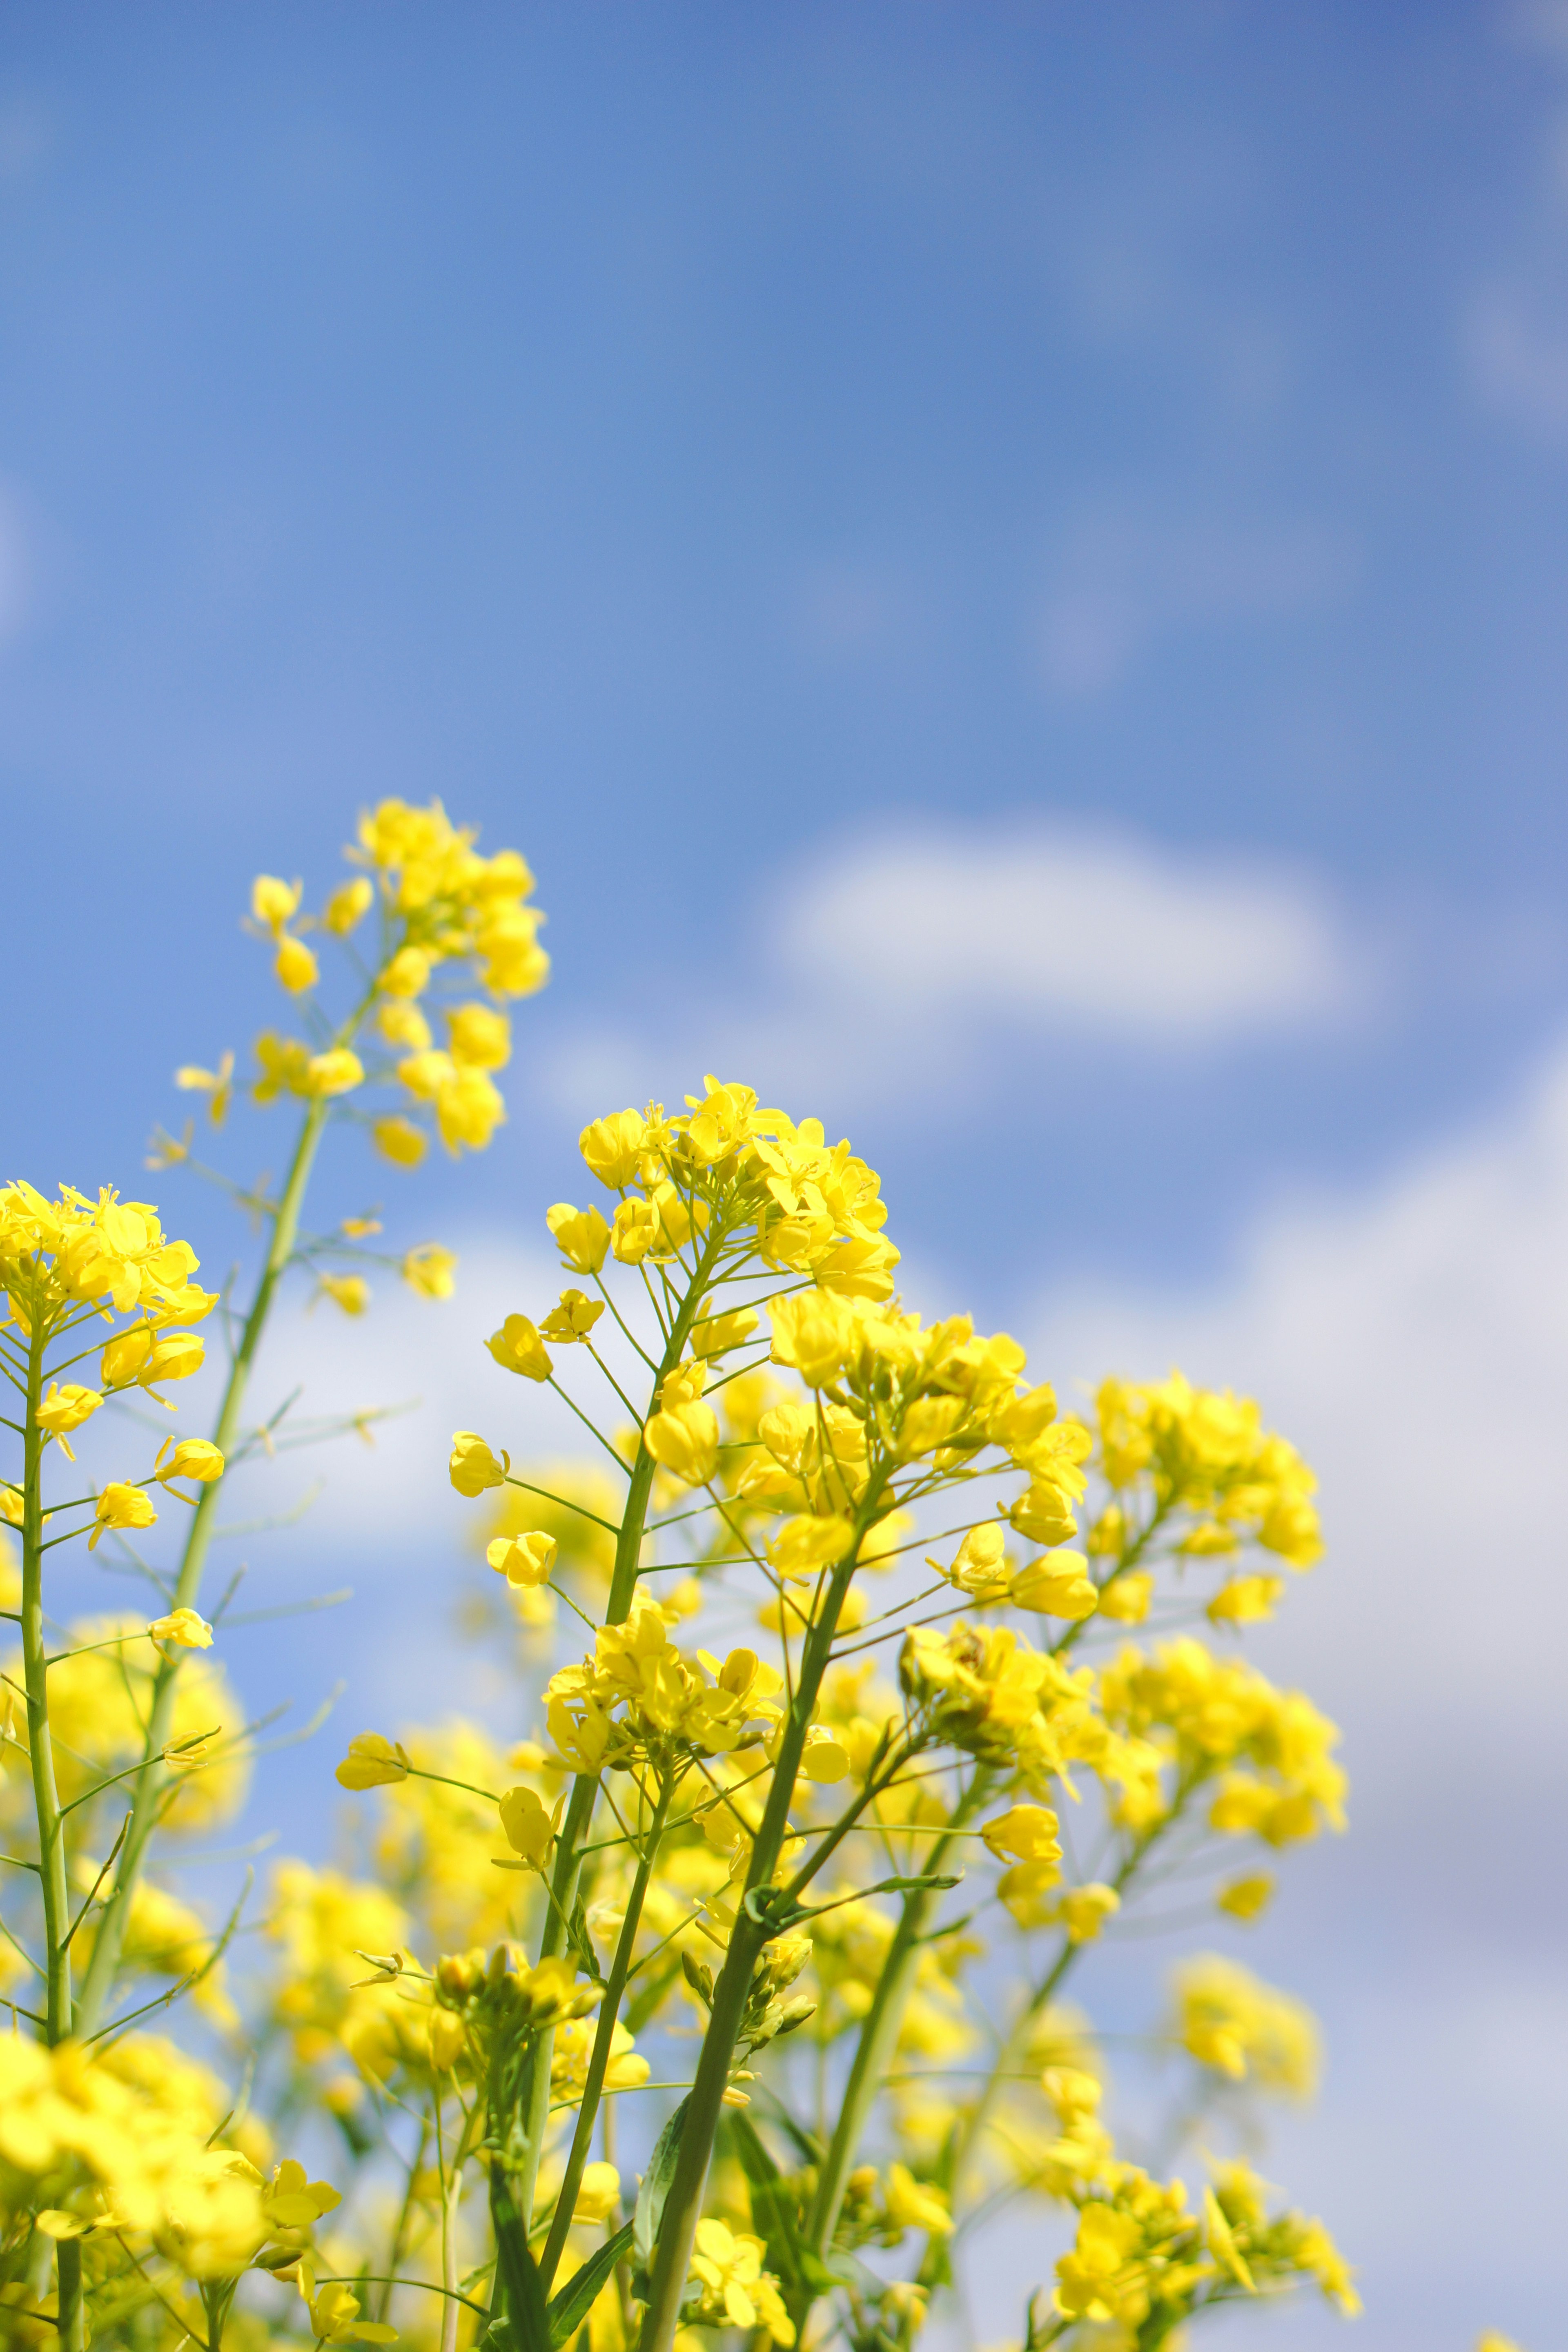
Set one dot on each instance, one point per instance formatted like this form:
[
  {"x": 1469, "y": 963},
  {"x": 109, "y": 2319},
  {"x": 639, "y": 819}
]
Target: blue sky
[{"x": 1006, "y": 565}]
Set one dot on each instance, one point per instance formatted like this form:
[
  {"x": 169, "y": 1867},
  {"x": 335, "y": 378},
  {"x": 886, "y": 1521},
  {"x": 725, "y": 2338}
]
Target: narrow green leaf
[
  {"x": 571, "y": 2308},
  {"x": 649, "y": 2210}
]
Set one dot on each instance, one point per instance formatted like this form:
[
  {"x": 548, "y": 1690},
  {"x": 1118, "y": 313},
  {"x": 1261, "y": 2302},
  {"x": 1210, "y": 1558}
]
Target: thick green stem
[
  {"x": 109, "y": 1942},
  {"x": 603, "y": 2042},
  {"x": 683, "y": 2206}
]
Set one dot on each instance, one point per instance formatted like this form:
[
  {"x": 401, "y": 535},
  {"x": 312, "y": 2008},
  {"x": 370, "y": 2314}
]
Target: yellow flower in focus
[
  {"x": 194, "y": 1457},
  {"x": 292, "y": 2200},
  {"x": 524, "y": 1558},
  {"x": 64, "y": 1410},
  {"x": 183, "y": 1629},
  {"x": 1057, "y": 1585},
  {"x": 430, "y": 1270},
  {"x": 479, "y": 1037},
  {"x": 399, "y": 1140},
  {"x": 634, "y": 1232},
  {"x": 728, "y": 2265},
  {"x": 349, "y": 1291},
  {"x": 518, "y": 1347},
  {"x": 684, "y": 1440},
  {"x": 372, "y": 1761},
  {"x": 581, "y": 1235},
  {"x": 120, "y": 1506},
  {"x": 573, "y": 1319},
  {"x": 334, "y": 2314},
  {"x": 295, "y": 966},
  {"x": 527, "y": 1825},
  {"x": 1028, "y": 1833},
  {"x": 473, "y": 1466},
  {"x": 335, "y": 1072},
  {"x": 274, "y": 903},
  {"x": 612, "y": 1148}
]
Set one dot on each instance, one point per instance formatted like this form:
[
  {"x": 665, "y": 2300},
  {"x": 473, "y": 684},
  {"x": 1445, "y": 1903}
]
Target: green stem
[
  {"x": 110, "y": 1939},
  {"x": 604, "y": 2040},
  {"x": 72, "y": 2312},
  {"x": 880, "y": 2033},
  {"x": 683, "y": 2206},
  {"x": 580, "y": 1809}
]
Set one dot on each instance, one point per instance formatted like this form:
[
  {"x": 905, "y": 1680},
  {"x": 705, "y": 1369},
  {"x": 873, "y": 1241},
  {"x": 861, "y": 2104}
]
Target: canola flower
[
  {"x": 122, "y": 1733},
  {"x": 870, "y": 1692}
]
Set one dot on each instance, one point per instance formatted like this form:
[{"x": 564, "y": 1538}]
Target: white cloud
[
  {"x": 1415, "y": 1345},
  {"x": 1103, "y": 929},
  {"x": 1126, "y": 578}
]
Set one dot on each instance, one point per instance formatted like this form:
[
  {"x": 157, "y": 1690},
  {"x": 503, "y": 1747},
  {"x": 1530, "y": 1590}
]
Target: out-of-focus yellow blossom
[
  {"x": 479, "y": 1036},
  {"x": 399, "y": 1140},
  {"x": 1126, "y": 1598},
  {"x": 1208, "y": 1454},
  {"x": 1247, "y": 1600},
  {"x": 216, "y": 1085},
  {"x": 473, "y": 1468},
  {"x": 182, "y": 1629},
  {"x": 295, "y": 966},
  {"x": 348, "y": 907},
  {"x": 284, "y": 1063},
  {"x": 349, "y": 1291},
  {"x": 518, "y": 1347},
  {"x": 273, "y": 902},
  {"x": 916, "y": 2204},
  {"x": 336, "y": 1072},
  {"x": 1232, "y": 2020},
  {"x": 526, "y": 1820},
  {"x": 372, "y": 1761},
  {"x": 407, "y": 974},
  {"x": 1248, "y": 1897},
  {"x": 430, "y": 1270}
]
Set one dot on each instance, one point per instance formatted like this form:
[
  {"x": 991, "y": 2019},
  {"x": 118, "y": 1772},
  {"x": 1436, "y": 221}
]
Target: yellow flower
[
  {"x": 334, "y": 1072},
  {"x": 348, "y": 905},
  {"x": 473, "y": 1466},
  {"x": 295, "y": 966},
  {"x": 635, "y": 1231},
  {"x": 573, "y": 1319},
  {"x": 373, "y": 1762},
  {"x": 916, "y": 2204},
  {"x": 1084, "y": 1910},
  {"x": 685, "y": 1441},
  {"x": 183, "y": 1629},
  {"x": 612, "y": 1148},
  {"x": 479, "y": 1036},
  {"x": 581, "y": 1235},
  {"x": 715, "y": 1335},
  {"x": 351, "y": 1291},
  {"x": 120, "y": 1506},
  {"x": 1246, "y": 1601},
  {"x": 65, "y": 1409},
  {"x": 399, "y": 1140},
  {"x": 524, "y": 1558},
  {"x": 809, "y": 1543},
  {"x": 292, "y": 2200},
  {"x": 1057, "y": 1585},
  {"x": 728, "y": 2265},
  {"x": 273, "y": 902},
  {"x": 145, "y": 1355},
  {"x": 526, "y": 1823},
  {"x": 1028, "y": 1833},
  {"x": 1231, "y": 2020},
  {"x": 216, "y": 1085},
  {"x": 193, "y": 1457},
  {"x": 1246, "y": 1898},
  {"x": 401, "y": 1023},
  {"x": 430, "y": 1270},
  {"x": 518, "y": 1347},
  {"x": 1127, "y": 1597},
  {"x": 407, "y": 974},
  {"x": 598, "y": 2193}
]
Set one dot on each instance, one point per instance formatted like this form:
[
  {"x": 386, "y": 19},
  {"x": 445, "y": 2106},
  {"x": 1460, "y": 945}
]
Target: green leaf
[
  {"x": 571, "y": 2308},
  {"x": 649, "y": 2209},
  {"x": 527, "y": 2323}
]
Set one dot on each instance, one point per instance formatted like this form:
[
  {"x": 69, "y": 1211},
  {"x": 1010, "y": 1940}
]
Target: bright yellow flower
[
  {"x": 399, "y": 1140},
  {"x": 524, "y": 1558},
  {"x": 348, "y": 905},
  {"x": 183, "y": 1629},
  {"x": 473, "y": 1466},
  {"x": 1057, "y": 1585},
  {"x": 581, "y": 1235},
  {"x": 351, "y": 1291},
  {"x": 373, "y": 1762},
  {"x": 273, "y": 902},
  {"x": 613, "y": 1146},
  {"x": 120, "y": 1506},
  {"x": 518, "y": 1347},
  {"x": 479, "y": 1037},
  {"x": 430, "y": 1270},
  {"x": 295, "y": 966},
  {"x": 407, "y": 974}
]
